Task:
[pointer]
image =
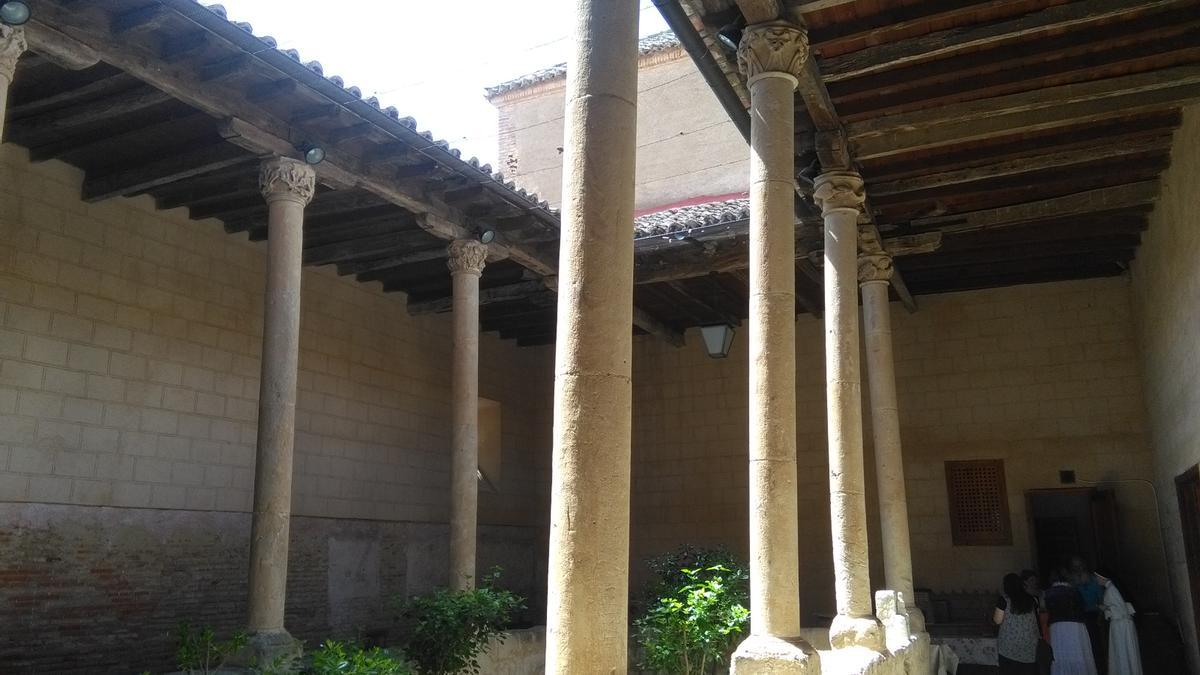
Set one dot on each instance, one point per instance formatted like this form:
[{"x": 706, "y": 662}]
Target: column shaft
[
  {"x": 771, "y": 55},
  {"x": 12, "y": 45},
  {"x": 841, "y": 197},
  {"x": 588, "y": 592},
  {"x": 466, "y": 259},
  {"x": 885, "y": 424},
  {"x": 287, "y": 186},
  {"x": 774, "y": 556}
]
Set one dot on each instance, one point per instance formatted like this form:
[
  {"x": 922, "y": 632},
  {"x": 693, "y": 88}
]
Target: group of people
[{"x": 1080, "y": 621}]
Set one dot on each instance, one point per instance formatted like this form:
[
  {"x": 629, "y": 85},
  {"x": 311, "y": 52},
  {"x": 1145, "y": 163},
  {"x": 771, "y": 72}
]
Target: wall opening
[{"x": 490, "y": 461}]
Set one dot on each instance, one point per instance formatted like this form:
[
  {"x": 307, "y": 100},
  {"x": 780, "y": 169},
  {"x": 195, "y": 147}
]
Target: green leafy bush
[
  {"x": 699, "y": 612},
  {"x": 337, "y": 658},
  {"x": 200, "y": 652},
  {"x": 446, "y": 631}
]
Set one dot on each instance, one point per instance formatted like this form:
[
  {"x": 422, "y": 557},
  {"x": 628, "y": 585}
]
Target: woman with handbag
[{"x": 1016, "y": 615}]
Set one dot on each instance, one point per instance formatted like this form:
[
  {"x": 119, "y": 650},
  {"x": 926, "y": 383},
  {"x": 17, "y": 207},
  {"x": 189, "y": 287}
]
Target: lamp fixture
[
  {"x": 313, "y": 154},
  {"x": 14, "y": 13},
  {"x": 486, "y": 235},
  {"x": 717, "y": 339},
  {"x": 731, "y": 35}
]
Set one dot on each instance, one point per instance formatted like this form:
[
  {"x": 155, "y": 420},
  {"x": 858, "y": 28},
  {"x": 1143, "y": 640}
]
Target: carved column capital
[
  {"x": 875, "y": 267},
  {"x": 772, "y": 48},
  {"x": 12, "y": 45},
  {"x": 287, "y": 178},
  {"x": 467, "y": 256},
  {"x": 839, "y": 190}
]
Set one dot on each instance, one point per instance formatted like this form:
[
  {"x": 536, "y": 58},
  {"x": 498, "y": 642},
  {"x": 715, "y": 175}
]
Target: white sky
[{"x": 429, "y": 58}]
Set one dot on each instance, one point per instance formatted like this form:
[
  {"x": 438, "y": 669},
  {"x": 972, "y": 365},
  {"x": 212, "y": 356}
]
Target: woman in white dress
[{"x": 1124, "y": 658}]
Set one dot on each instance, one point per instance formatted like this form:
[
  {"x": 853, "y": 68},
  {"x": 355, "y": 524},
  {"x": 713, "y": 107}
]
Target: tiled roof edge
[{"x": 651, "y": 44}]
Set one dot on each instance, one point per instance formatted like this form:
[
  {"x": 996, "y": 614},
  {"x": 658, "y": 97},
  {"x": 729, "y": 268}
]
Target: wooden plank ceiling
[
  {"x": 1003, "y": 142},
  {"x": 1026, "y": 136},
  {"x": 169, "y": 99}
]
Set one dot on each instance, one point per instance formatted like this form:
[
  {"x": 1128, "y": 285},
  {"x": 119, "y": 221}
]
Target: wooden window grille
[{"x": 978, "y": 503}]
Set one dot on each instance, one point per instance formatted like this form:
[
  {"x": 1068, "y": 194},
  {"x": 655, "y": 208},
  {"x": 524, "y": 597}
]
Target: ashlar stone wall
[
  {"x": 1166, "y": 284},
  {"x": 129, "y": 365},
  {"x": 684, "y": 151},
  {"x": 1044, "y": 377}
]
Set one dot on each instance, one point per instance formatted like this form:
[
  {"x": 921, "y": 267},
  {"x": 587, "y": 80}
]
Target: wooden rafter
[
  {"x": 947, "y": 43},
  {"x": 1028, "y": 111}
]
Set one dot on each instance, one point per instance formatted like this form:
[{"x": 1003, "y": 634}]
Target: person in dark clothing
[
  {"x": 1093, "y": 612},
  {"x": 1017, "y": 641},
  {"x": 1068, "y": 633}
]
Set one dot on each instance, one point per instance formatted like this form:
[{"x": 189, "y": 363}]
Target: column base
[
  {"x": 273, "y": 650},
  {"x": 857, "y": 631},
  {"x": 770, "y": 655}
]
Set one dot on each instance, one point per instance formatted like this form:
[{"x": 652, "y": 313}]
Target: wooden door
[
  {"x": 1104, "y": 525},
  {"x": 1187, "y": 489}
]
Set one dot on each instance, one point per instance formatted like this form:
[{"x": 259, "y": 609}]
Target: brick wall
[
  {"x": 1166, "y": 286},
  {"x": 129, "y": 345},
  {"x": 1043, "y": 376}
]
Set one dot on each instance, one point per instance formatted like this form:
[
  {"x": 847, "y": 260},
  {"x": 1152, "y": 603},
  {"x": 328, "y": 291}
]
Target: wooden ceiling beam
[
  {"x": 703, "y": 312},
  {"x": 487, "y": 296},
  {"x": 352, "y": 230},
  {"x": 391, "y": 262},
  {"x": 76, "y": 146},
  {"x": 1115, "y": 245},
  {"x": 173, "y": 51},
  {"x": 60, "y": 49},
  {"x": 138, "y": 17},
  {"x": 946, "y": 43},
  {"x": 1006, "y": 277},
  {"x": 1113, "y": 131},
  {"x": 1055, "y": 160},
  {"x": 82, "y": 113},
  {"x": 656, "y": 327},
  {"x": 1091, "y": 201},
  {"x": 173, "y": 167},
  {"x": 1028, "y": 111},
  {"x": 759, "y": 11},
  {"x": 360, "y": 248}
]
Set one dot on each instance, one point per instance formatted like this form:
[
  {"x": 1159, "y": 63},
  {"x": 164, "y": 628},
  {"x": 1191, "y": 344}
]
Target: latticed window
[{"x": 978, "y": 503}]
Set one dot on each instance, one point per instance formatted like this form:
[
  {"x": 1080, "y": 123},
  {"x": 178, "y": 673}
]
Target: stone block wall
[
  {"x": 129, "y": 366},
  {"x": 1166, "y": 283},
  {"x": 1044, "y": 376},
  {"x": 684, "y": 151}
]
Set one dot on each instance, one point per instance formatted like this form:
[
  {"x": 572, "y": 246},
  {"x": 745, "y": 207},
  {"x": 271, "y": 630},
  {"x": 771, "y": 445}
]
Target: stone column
[
  {"x": 840, "y": 195},
  {"x": 12, "y": 45},
  {"x": 588, "y": 592},
  {"x": 771, "y": 56},
  {"x": 466, "y": 261},
  {"x": 874, "y": 276},
  {"x": 287, "y": 185}
]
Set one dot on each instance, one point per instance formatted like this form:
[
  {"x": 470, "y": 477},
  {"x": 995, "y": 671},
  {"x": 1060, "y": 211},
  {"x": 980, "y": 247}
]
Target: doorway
[
  {"x": 1187, "y": 489},
  {"x": 1067, "y": 522}
]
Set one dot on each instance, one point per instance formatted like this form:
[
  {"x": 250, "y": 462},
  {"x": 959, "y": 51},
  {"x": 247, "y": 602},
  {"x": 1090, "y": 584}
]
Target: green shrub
[
  {"x": 446, "y": 631},
  {"x": 693, "y": 622},
  {"x": 200, "y": 652},
  {"x": 337, "y": 658}
]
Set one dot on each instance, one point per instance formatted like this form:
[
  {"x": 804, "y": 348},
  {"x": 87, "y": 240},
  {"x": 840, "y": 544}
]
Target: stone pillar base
[
  {"x": 769, "y": 655},
  {"x": 857, "y": 631},
  {"x": 269, "y": 650}
]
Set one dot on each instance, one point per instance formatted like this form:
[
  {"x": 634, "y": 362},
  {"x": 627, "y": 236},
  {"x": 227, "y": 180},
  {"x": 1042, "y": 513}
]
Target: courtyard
[{"x": 882, "y": 300}]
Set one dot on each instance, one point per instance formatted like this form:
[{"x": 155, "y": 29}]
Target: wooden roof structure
[
  {"x": 168, "y": 98},
  {"x": 1002, "y": 141}
]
